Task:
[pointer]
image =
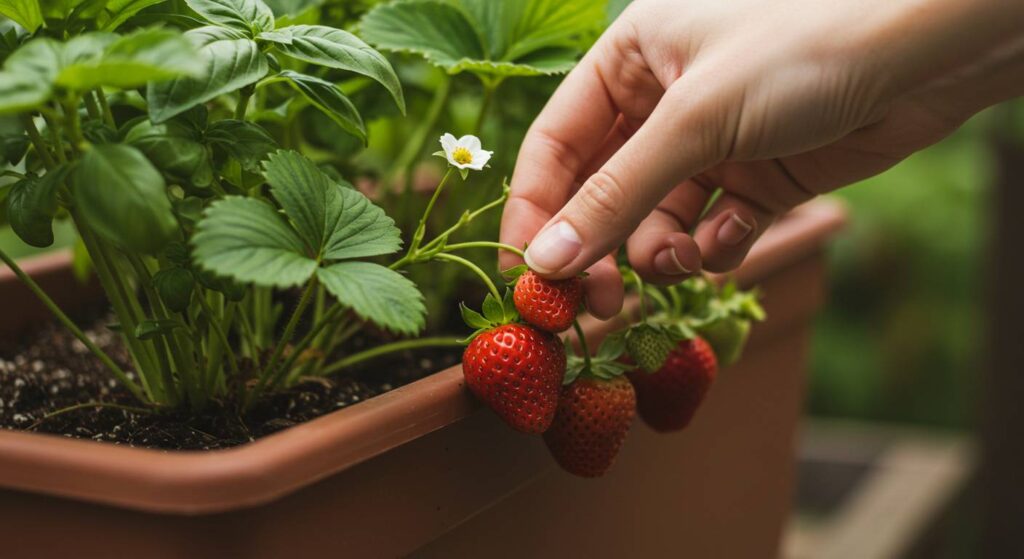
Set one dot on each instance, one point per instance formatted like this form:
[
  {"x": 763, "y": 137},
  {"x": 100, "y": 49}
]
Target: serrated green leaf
[
  {"x": 513, "y": 30},
  {"x": 334, "y": 48},
  {"x": 309, "y": 197},
  {"x": 248, "y": 240},
  {"x": 123, "y": 198},
  {"x": 25, "y": 13},
  {"x": 377, "y": 294},
  {"x": 439, "y": 32},
  {"x": 229, "y": 61},
  {"x": 32, "y": 205},
  {"x": 246, "y": 142},
  {"x": 146, "y": 55},
  {"x": 500, "y": 39},
  {"x": 244, "y": 15},
  {"x": 328, "y": 99},
  {"x": 365, "y": 230}
]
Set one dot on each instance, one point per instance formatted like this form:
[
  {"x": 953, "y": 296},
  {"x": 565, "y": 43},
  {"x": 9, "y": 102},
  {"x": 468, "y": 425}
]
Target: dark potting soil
[{"x": 50, "y": 370}]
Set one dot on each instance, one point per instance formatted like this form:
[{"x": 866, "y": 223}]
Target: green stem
[
  {"x": 583, "y": 344},
  {"x": 108, "y": 116},
  {"x": 243, "y": 102},
  {"x": 58, "y": 147},
  {"x": 122, "y": 377},
  {"x": 483, "y": 244},
  {"x": 490, "y": 87},
  {"x": 73, "y": 124},
  {"x": 307, "y": 340},
  {"x": 37, "y": 141},
  {"x": 289, "y": 331},
  {"x": 91, "y": 107},
  {"x": 463, "y": 221},
  {"x": 640, "y": 292},
  {"x": 421, "y": 229},
  {"x": 414, "y": 147},
  {"x": 389, "y": 348},
  {"x": 221, "y": 332},
  {"x": 163, "y": 346},
  {"x": 473, "y": 268}
]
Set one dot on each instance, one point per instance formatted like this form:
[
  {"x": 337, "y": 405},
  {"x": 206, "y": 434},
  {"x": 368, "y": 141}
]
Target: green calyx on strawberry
[
  {"x": 513, "y": 368},
  {"x": 595, "y": 410},
  {"x": 649, "y": 344},
  {"x": 551, "y": 305},
  {"x": 727, "y": 323},
  {"x": 495, "y": 313}
]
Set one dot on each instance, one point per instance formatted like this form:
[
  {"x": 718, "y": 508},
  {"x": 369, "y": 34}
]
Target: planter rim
[{"x": 198, "y": 482}]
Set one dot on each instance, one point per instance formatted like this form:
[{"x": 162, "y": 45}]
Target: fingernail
[
  {"x": 554, "y": 249},
  {"x": 734, "y": 231},
  {"x": 667, "y": 262}
]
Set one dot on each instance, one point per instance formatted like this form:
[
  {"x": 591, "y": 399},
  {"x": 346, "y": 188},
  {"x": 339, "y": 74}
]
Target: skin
[{"x": 772, "y": 102}]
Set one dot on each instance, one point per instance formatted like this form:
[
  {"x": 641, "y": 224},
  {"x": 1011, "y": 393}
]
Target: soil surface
[{"x": 50, "y": 370}]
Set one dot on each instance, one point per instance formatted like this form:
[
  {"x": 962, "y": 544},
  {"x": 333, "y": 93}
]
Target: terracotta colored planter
[{"x": 424, "y": 471}]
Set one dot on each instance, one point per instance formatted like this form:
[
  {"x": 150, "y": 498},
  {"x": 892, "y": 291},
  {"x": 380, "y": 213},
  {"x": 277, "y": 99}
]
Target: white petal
[
  {"x": 480, "y": 158},
  {"x": 470, "y": 142},
  {"x": 448, "y": 143}
]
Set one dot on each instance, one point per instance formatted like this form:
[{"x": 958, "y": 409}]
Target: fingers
[
  {"x": 603, "y": 288},
  {"x": 669, "y": 147},
  {"x": 556, "y": 148},
  {"x": 660, "y": 249},
  {"x": 729, "y": 229}
]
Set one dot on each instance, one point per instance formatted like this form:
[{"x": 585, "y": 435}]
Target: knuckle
[{"x": 602, "y": 198}]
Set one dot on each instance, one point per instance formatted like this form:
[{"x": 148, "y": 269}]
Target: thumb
[{"x": 678, "y": 141}]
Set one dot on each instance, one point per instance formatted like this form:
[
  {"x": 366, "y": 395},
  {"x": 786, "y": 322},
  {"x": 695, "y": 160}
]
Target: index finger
[{"x": 562, "y": 140}]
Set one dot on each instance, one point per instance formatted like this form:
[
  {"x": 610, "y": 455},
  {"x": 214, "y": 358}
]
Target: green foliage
[
  {"x": 123, "y": 198},
  {"x": 229, "y": 62},
  {"x": 322, "y": 224},
  {"x": 32, "y": 205},
  {"x": 329, "y": 100},
  {"x": 248, "y": 16},
  {"x": 490, "y": 39},
  {"x": 334, "y": 48},
  {"x": 25, "y": 12}
]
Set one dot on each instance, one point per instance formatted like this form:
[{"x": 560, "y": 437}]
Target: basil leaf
[
  {"x": 243, "y": 15},
  {"x": 174, "y": 148},
  {"x": 246, "y": 142},
  {"x": 25, "y": 12},
  {"x": 328, "y": 99},
  {"x": 32, "y": 205}
]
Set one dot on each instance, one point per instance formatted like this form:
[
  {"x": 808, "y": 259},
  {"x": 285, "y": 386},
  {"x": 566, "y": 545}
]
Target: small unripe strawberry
[
  {"x": 550, "y": 305},
  {"x": 668, "y": 398},
  {"x": 517, "y": 371},
  {"x": 648, "y": 346},
  {"x": 727, "y": 336},
  {"x": 594, "y": 416}
]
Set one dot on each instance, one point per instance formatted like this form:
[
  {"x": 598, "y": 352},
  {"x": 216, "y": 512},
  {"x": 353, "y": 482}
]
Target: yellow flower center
[{"x": 462, "y": 156}]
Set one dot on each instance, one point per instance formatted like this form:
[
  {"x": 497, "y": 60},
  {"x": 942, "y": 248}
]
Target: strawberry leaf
[{"x": 377, "y": 294}]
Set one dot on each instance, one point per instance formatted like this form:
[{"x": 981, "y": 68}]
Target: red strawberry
[
  {"x": 668, "y": 398},
  {"x": 550, "y": 305},
  {"x": 593, "y": 419},
  {"x": 516, "y": 370}
]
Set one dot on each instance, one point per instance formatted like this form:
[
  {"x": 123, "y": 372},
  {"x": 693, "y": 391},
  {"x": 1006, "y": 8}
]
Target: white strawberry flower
[{"x": 465, "y": 152}]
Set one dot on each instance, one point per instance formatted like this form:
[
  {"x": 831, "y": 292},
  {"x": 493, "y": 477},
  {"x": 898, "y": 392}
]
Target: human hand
[{"x": 772, "y": 102}]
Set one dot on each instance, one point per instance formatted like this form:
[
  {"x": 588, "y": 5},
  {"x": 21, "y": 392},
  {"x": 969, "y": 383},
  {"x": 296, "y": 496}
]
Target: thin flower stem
[
  {"x": 463, "y": 221},
  {"x": 422, "y": 227},
  {"x": 583, "y": 344},
  {"x": 389, "y": 348},
  {"x": 474, "y": 268},
  {"x": 483, "y": 244},
  {"x": 73, "y": 328},
  {"x": 641, "y": 293}
]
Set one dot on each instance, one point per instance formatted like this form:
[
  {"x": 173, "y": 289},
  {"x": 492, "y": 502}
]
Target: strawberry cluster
[{"x": 583, "y": 403}]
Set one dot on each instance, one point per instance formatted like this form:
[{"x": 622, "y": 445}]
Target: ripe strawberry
[
  {"x": 593, "y": 419},
  {"x": 668, "y": 398},
  {"x": 550, "y": 305},
  {"x": 517, "y": 371}
]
